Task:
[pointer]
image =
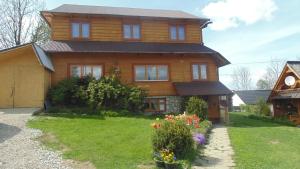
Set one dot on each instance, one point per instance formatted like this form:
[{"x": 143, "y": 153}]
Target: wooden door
[
  {"x": 29, "y": 86},
  {"x": 6, "y": 86}
]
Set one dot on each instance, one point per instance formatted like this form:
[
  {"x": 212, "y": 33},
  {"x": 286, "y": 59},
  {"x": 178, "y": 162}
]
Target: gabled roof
[
  {"x": 295, "y": 66},
  {"x": 39, "y": 53},
  {"x": 121, "y": 11},
  {"x": 201, "y": 88},
  {"x": 133, "y": 47},
  {"x": 252, "y": 96}
]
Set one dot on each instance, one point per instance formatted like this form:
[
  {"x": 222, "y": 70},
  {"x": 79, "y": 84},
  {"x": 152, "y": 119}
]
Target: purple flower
[{"x": 199, "y": 138}]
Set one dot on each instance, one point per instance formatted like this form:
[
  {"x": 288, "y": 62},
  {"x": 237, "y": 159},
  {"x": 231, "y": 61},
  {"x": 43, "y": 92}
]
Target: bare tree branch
[
  {"x": 241, "y": 79},
  {"x": 20, "y": 20}
]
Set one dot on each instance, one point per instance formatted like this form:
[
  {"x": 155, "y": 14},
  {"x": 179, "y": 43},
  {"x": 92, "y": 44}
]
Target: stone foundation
[{"x": 173, "y": 103}]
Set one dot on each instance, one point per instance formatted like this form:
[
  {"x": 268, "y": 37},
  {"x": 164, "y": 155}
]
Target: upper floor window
[
  {"x": 151, "y": 73},
  {"x": 80, "y": 30},
  {"x": 95, "y": 71},
  {"x": 132, "y": 31},
  {"x": 199, "y": 71},
  {"x": 177, "y": 32}
]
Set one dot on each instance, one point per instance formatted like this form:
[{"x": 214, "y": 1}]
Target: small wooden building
[
  {"x": 285, "y": 95},
  {"x": 25, "y": 74}
]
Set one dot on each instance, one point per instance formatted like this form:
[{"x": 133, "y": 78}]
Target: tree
[
  {"x": 271, "y": 76},
  {"x": 262, "y": 84},
  {"x": 241, "y": 79},
  {"x": 21, "y": 23}
]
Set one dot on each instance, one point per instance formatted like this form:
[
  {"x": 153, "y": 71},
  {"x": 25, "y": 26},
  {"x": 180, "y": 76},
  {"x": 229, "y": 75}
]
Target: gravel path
[
  {"x": 18, "y": 149},
  {"x": 218, "y": 152}
]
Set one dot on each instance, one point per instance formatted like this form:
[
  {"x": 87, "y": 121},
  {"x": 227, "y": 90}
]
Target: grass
[
  {"x": 264, "y": 144},
  {"x": 107, "y": 142}
]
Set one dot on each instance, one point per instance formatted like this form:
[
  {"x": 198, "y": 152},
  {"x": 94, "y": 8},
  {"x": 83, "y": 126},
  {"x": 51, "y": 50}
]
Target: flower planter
[
  {"x": 171, "y": 165},
  {"x": 159, "y": 164}
]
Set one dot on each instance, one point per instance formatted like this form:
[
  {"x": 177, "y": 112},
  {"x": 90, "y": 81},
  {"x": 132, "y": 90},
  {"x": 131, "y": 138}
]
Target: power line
[{"x": 256, "y": 62}]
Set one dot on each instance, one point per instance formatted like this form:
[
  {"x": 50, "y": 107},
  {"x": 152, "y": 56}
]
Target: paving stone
[{"x": 217, "y": 153}]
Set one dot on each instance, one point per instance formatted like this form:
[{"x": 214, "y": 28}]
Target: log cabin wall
[
  {"x": 179, "y": 67},
  {"x": 110, "y": 29}
]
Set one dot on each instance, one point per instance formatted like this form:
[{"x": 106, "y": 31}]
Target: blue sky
[{"x": 248, "y": 33}]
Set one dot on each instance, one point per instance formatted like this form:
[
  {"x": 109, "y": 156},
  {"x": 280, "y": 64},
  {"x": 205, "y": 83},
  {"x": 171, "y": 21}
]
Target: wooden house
[
  {"x": 285, "y": 95},
  {"x": 161, "y": 51}
]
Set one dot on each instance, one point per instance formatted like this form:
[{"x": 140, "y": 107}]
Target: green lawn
[
  {"x": 110, "y": 142},
  {"x": 264, "y": 145}
]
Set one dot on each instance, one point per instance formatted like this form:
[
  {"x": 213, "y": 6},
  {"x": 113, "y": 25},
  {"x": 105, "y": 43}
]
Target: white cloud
[{"x": 230, "y": 13}]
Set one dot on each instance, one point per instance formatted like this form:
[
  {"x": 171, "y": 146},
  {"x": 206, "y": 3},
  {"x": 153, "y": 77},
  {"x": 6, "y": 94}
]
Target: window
[
  {"x": 177, "y": 32},
  {"x": 151, "y": 73},
  {"x": 199, "y": 71},
  {"x": 131, "y": 31},
  {"x": 86, "y": 70},
  {"x": 155, "y": 104},
  {"x": 80, "y": 30}
]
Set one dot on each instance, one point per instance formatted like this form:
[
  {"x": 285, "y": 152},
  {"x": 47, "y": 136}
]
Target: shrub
[
  {"x": 197, "y": 106},
  {"x": 175, "y": 136},
  {"x": 109, "y": 93},
  {"x": 69, "y": 92},
  {"x": 262, "y": 108}
]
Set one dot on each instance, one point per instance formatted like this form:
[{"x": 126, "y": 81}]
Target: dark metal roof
[
  {"x": 295, "y": 65},
  {"x": 121, "y": 11},
  {"x": 133, "y": 47},
  {"x": 204, "y": 88},
  {"x": 290, "y": 94},
  {"x": 252, "y": 96}
]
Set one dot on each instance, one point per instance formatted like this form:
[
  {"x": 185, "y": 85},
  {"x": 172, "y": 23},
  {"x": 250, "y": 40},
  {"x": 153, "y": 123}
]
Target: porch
[{"x": 287, "y": 104}]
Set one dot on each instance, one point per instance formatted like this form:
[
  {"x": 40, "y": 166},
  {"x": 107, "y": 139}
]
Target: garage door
[
  {"x": 6, "y": 87},
  {"x": 21, "y": 86}
]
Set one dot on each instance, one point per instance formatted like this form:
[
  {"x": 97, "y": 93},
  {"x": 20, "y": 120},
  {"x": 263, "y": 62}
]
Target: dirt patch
[
  {"x": 146, "y": 166},
  {"x": 274, "y": 142},
  {"x": 79, "y": 164},
  {"x": 50, "y": 140}
]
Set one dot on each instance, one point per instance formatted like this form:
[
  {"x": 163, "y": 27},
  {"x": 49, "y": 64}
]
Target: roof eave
[{"x": 119, "y": 15}]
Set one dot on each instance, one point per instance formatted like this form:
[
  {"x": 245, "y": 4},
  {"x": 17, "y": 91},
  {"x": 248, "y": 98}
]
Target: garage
[{"x": 25, "y": 75}]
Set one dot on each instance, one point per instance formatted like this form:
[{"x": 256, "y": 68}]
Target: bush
[
  {"x": 175, "y": 136},
  {"x": 106, "y": 93},
  {"x": 262, "y": 108},
  {"x": 70, "y": 92},
  {"x": 197, "y": 106},
  {"x": 278, "y": 120},
  {"x": 109, "y": 93}
]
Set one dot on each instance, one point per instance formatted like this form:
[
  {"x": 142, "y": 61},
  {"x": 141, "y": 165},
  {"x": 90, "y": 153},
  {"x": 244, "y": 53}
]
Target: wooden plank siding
[
  {"x": 24, "y": 79},
  {"x": 179, "y": 68},
  {"x": 110, "y": 29}
]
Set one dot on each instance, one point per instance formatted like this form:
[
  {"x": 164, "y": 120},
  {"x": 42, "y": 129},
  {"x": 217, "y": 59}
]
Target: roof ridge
[
  {"x": 124, "y": 11},
  {"x": 126, "y": 8}
]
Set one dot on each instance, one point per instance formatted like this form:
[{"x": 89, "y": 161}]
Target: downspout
[{"x": 204, "y": 25}]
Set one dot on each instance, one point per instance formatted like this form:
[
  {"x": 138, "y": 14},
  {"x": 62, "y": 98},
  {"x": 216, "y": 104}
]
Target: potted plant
[
  {"x": 159, "y": 160},
  {"x": 169, "y": 159}
]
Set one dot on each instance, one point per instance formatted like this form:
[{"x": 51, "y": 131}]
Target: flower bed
[{"x": 176, "y": 137}]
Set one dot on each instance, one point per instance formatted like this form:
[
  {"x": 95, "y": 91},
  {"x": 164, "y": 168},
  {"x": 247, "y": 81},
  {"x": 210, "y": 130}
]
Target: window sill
[{"x": 151, "y": 80}]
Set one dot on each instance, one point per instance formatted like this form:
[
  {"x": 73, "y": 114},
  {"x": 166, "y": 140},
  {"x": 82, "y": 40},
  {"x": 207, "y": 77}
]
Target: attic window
[
  {"x": 177, "y": 32},
  {"x": 80, "y": 30},
  {"x": 131, "y": 31}
]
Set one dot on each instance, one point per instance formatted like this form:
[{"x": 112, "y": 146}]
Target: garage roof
[{"x": 39, "y": 53}]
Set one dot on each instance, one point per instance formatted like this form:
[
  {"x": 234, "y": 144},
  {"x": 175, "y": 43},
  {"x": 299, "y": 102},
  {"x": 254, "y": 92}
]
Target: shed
[{"x": 25, "y": 73}]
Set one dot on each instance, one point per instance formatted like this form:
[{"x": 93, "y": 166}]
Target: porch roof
[
  {"x": 204, "y": 88},
  {"x": 133, "y": 47},
  {"x": 287, "y": 94}
]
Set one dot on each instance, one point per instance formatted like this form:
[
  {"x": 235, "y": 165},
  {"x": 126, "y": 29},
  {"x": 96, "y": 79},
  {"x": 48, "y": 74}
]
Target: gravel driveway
[{"x": 18, "y": 149}]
